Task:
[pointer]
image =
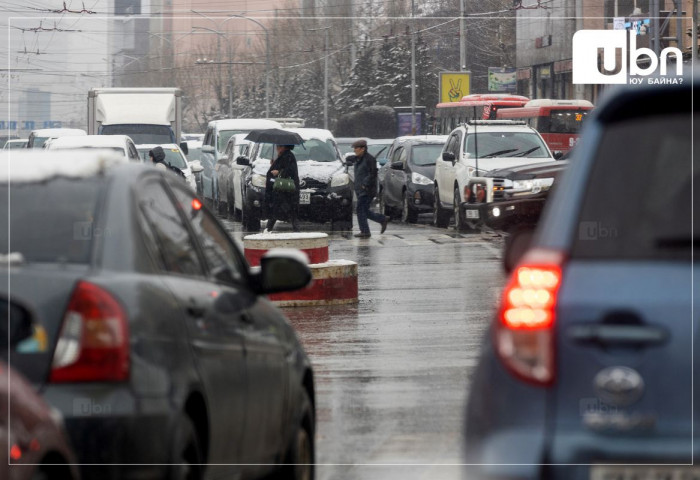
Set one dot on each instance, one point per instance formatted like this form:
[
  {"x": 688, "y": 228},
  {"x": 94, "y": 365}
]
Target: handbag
[{"x": 284, "y": 185}]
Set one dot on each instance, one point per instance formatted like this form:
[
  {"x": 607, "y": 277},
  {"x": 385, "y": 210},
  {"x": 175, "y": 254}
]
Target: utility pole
[
  {"x": 413, "y": 72},
  {"x": 462, "y": 37},
  {"x": 325, "y": 79},
  {"x": 694, "y": 32},
  {"x": 579, "y": 88}
]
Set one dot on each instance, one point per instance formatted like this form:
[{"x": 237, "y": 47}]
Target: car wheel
[
  {"x": 408, "y": 213},
  {"x": 186, "y": 458},
  {"x": 461, "y": 223},
  {"x": 249, "y": 221},
  {"x": 383, "y": 208},
  {"x": 300, "y": 457},
  {"x": 441, "y": 218}
]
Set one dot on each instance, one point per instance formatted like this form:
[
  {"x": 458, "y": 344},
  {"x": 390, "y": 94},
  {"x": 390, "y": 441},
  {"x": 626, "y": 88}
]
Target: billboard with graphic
[
  {"x": 454, "y": 85},
  {"x": 502, "y": 80}
]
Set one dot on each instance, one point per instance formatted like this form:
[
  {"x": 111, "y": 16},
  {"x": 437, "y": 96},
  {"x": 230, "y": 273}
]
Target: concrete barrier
[
  {"x": 334, "y": 282},
  {"x": 313, "y": 244}
]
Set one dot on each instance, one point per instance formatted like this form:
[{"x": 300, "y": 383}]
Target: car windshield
[
  {"x": 173, "y": 156},
  {"x": 505, "y": 144},
  {"x": 39, "y": 142},
  {"x": 153, "y": 134},
  {"x": 64, "y": 220},
  {"x": 194, "y": 154},
  {"x": 225, "y": 135},
  {"x": 314, "y": 149},
  {"x": 345, "y": 148},
  {"x": 423, "y": 155}
]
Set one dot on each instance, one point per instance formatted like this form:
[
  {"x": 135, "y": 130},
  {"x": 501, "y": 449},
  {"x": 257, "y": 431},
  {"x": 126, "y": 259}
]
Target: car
[
  {"x": 379, "y": 149},
  {"x": 214, "y": 146},
  {"x": 587, "y": 370},
  {"x": 37, "y": 138},
  {"x": 326, "y": 189},
  {"x": 33, "y": 442},
  {"x": 474, "y": 148},
  {"x": 118, "y": 143},
  {"x": 173, "y": 157},
  {"x": 13, "y": 143},
  {"x": 5, "y": 137},
  {"x": 407, "y": 179},
  {"x": 229, "y": 174},
  {"x": 163, "y": 353},
  {"x": 187, "y": 137},
  {"x": 345, "y": 144}
]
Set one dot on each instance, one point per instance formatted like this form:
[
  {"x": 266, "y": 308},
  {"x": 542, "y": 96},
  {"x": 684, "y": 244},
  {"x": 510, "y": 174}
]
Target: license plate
[
  {"x": 609, "y": 472},
  {"x": 472, "y": 213},
  {"x": 304, "y": 198}
]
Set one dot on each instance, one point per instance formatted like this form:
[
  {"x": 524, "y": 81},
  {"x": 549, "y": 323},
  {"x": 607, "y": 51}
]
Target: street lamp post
[
  {"x": 267, "y": 52},
  {"x": 229, "y": 63}
]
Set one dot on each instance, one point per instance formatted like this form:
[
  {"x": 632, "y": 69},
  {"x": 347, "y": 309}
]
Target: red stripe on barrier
[
  {"x": 316, "y": 255},
  {"x": 323, "y": 289}
]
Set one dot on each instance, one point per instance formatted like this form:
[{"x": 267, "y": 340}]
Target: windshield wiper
[
  {"x": 499, "y": 152},
  {"x": 522, "y": 154}
]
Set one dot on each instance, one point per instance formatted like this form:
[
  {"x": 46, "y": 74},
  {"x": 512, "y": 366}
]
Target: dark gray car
[
  {"x": 159, "y": 348},
  {"x": 588, "y": 369}
]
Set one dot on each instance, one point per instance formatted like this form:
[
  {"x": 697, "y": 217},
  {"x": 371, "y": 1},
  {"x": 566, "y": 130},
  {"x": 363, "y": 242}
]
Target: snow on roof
[
  {"x": 107, "y": 141},
  {"x": 285, "y": 236},
  {"x": 424, "y": 138},
  {"x": 309, "y": 133},
  {"x": 39, "y": 165},
  {"x": 244, "y": 123},
  {"x": 58, "y": 132},
  {"x": 143, "y": 146}
]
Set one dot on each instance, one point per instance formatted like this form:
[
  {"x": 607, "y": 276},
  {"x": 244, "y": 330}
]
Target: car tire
[
  {"x": 384, "y": 209},
  {"x": 249, "y": 221},
  {"x": 186, "y": 460},
  {"x": 461, "y": 222},
  {"x": 441, "y": 217},
  {"x": 300, "y": 456},
  {"x": 408, "y": 213}
]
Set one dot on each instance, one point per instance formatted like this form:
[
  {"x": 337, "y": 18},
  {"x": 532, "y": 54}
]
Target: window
[
  {"x": 218, "y": 249},
  {"x": 506, "y": 144},
  {"x": 161, "y": 222},
  {"x": 397, "y": 155},
  {"x": 423, "y": 155}
]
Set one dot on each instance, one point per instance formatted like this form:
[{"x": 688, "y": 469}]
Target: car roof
[
  {"x": 39, "y": 165},
  {"x": 313, "y": 133},
  {"x": 496, "y": 126},
  {"x": 90, "y": 140},
  {"x": 436, "y": 139},
  {"x": 143, "y": 146},
  {"x": 49, "y": 132},
  {"x": 236, "y": 123}
]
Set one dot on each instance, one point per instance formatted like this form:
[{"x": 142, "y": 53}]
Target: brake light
[
  {"x": 480, "y": 193},
  {"x": 524, "y": 334},
  {"x": 467, "y": 195},
  {"x": 93, "y": 344}
]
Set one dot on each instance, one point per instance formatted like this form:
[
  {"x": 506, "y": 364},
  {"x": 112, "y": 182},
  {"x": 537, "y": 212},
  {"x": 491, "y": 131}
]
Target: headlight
[
  {"x": 419, "y": 179},
  {"x": 535, "y": 185},
  {"x": 340, "y": 180},
  {"x": 258, "y": 180}
]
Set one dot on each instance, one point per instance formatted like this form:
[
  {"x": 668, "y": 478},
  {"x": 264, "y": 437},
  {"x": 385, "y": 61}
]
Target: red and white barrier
[{"x": 334, "y": 282}]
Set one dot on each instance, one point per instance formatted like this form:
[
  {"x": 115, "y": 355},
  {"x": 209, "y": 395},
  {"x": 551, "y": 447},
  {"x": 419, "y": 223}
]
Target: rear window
[
  {"x": 638, "y": 200},
  {"x": 53, "y": 221}
]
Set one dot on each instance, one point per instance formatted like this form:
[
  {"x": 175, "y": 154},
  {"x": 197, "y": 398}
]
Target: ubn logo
[{"x": 587, "y": 43}]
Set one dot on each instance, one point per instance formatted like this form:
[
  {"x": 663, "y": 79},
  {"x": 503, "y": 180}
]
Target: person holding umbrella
[{"x": 281, "y": 195}]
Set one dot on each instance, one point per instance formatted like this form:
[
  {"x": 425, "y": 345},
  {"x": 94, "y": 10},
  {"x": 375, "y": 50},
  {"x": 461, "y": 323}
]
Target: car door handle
[{"x": 618, "y": 334}]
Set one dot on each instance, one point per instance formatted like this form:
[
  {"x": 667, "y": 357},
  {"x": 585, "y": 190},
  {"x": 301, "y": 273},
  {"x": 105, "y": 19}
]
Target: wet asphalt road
[{"x": 392, "y": 371}]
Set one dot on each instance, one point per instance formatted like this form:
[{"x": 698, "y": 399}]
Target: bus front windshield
[{"x": 565, "y": 121}]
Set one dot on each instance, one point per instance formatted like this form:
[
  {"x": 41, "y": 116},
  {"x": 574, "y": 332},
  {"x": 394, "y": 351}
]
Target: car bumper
[
  {"x": 115, "y": 435},
  {"x": 324, "y": 205},
  {"x": 504, "y": 215},
  {"x": 421, "y": 197}
]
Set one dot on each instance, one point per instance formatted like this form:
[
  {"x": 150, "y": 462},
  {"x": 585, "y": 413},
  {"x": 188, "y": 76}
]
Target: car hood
[
  {"x": 499, "y": 163},
  {"x": 425, "y": 170},
  {"x": 319, "y": 171},
  {"x": 530, "y": 171}
]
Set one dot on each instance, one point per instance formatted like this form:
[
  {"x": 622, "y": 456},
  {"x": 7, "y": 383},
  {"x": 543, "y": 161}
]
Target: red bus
[
  {"x": 558, "y": 121},
  {"x": 475, "y": 106}
]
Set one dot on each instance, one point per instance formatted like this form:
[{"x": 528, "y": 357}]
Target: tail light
[
  {"x": 467, "y": 195},
  {"x": 480, "y": 193},
  {"x": 524, "y": 334},
  {"x": 93, "y": 344}
]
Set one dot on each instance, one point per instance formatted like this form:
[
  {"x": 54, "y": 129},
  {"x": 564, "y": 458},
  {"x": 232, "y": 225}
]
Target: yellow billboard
[{"x": 454, "y": 85}]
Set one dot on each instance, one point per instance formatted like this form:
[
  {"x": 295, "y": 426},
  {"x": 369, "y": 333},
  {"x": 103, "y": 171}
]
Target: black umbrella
[{"x": 276, "y": 136}]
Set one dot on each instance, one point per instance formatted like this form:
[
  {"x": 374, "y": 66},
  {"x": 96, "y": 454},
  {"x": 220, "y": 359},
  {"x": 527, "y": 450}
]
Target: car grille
[
  {"x": 311, "y": 183},
  {"x": 498, "y": 192}
]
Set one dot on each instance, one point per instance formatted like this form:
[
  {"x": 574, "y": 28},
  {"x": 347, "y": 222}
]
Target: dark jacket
[
  {"x": 281, "y": 204},
  {"x": 158, "y": 155},
  {"x": 365, "y": 174}
]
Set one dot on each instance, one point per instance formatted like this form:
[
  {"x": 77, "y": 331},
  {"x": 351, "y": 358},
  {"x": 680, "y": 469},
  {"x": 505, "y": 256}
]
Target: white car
[
  {"x": 229, "y": 174},
  {"x": 15, "y": 143},
  {"x": 473, "y": 149},
  {"x": 119, "y": 143},
  {"x": 173, "y": 157},
  {"x": 37, "y": 138}
]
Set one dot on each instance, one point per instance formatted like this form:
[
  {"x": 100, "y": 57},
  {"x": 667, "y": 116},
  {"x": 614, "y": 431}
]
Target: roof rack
[{"x": 496, "y": 122}]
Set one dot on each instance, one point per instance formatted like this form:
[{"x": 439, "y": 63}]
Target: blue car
[{"x": 587, "y": 370}]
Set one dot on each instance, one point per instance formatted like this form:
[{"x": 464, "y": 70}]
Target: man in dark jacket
[
  {"x": 282, "y": 205},
  {"x": 365, "y": 188}
]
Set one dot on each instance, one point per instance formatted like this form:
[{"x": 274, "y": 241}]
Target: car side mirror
[
  {"x": 185, "y": 149},
  {"x": 243, "y": 160},
  {"x": 397, "y": 165},
  {"x": 19, "y": 325},
  {"x": 558, "y": 154},
  {"x": 196, "y": 167},
  {"x": 207, "y": 149},
  {"x": 281, "y": 270},
  {"x": 448, "y": 157}
]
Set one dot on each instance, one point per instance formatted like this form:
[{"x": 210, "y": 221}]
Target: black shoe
[
  {"x": 363, "y": 235},
  {"x": 384, "y": 224}
]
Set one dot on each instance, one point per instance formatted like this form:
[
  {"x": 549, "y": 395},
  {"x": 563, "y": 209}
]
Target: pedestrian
[
  {"x": 282, "y": 205},
  {"x": 365, "y": 166},
  {"x": 158, "y": 157}
]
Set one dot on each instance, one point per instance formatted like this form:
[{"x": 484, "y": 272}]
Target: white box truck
[{"x": 147, "y": 115}]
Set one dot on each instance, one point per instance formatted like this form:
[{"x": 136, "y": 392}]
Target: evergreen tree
[{"x": 354, "y": 93}]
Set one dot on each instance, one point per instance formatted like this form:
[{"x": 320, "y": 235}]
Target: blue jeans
[{"x": 363, "y": 213}]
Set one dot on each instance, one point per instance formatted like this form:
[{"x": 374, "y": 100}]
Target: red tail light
[
  {"x": 524, "y": 336},
  {"x": 94, "y": 341}
]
